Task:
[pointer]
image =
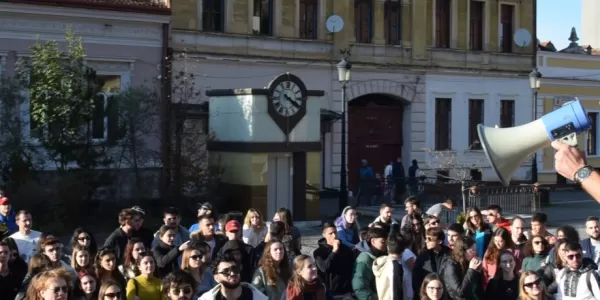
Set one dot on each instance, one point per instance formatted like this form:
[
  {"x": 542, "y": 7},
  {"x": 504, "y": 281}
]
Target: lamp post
[
  {"x": 344, "y": 77},
  {"x": 535, "y": 79}
]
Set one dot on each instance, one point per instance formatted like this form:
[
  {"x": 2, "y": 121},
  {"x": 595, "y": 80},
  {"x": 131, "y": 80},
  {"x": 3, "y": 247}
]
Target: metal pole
[
  {"x": 343, "y": 197},
  {"x": 534, "y": 169}
]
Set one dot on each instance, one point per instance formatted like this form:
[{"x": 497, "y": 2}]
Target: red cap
[
  {"x": 4, "y": 201},
  {"x": 232, "y": 225}
]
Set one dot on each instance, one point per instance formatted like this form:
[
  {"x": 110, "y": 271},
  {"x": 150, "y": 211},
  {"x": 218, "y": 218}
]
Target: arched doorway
[{"x": 374, "y": 133}]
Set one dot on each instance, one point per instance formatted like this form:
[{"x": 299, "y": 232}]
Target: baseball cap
[
  {"x": 4, "y": 201},
  {"x": 232, "y": 225}
]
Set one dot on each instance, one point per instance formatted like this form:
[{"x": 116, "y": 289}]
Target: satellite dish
[
  {"x": 522, "y": 37},
  {"x": 334, "y": 24}
]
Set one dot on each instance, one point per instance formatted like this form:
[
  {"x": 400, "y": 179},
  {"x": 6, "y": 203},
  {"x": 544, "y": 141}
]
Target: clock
[{"x": 286, "y": 96}]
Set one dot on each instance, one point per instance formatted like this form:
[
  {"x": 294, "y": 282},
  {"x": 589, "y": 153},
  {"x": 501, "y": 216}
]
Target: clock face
[{"x": 287, "y": 98}]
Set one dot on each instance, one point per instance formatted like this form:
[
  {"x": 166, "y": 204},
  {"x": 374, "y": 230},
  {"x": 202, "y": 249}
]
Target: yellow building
[
  {"x": 419, "y": 68},
  {"x": 567, "y": 73}
]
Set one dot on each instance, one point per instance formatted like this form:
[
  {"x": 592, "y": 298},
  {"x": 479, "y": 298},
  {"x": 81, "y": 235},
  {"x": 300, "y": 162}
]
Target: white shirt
[
  {"x": 251, "y": 237},
  {"x": 27, "y": 244},
  {"x": 388, "y": 170}
]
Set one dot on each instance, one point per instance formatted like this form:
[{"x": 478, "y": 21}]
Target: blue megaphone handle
[{"x": 570, "y": 118}]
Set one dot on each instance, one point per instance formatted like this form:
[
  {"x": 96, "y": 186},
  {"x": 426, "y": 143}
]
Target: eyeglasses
[
  {"x": 116, "y": 295},
  {"x": 235, "y": 270},
  {"x": 196, "y": 257},
  {"x": 574, "y": 256},
  {"x": 177, "y": 291},
  {"x": 435, "y": 288},
  {"x": 430, "y": 239},
  {"x": 59, "y": 289},
  {"x": 531, "y": 284}
]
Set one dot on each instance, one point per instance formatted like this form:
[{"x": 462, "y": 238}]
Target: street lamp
[
  {"x": 535, "y": 79},
  {"x": 344, "y": 77}
]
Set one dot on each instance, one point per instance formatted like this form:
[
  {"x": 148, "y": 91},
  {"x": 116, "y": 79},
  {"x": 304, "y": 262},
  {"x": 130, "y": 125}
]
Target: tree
[
  {"x": 62, "y": 102},
  {"x": 458, "y": 165}
]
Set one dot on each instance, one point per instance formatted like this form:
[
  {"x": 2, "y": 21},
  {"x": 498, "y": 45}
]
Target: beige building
[{"x": 424, "y": 74}]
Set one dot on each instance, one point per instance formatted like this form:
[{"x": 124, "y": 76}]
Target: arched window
[
  {"x": 308, "y": 18},
  {"x": 263, "y": 17},
  {"x": 363, "y": 20},
  {"x": 213, "y": 15},
  {"x": 392, "y": 22}
]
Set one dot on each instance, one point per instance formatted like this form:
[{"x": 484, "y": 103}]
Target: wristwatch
[{"x": 583, "y": 174}]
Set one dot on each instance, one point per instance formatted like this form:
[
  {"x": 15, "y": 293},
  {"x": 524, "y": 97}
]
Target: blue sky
[{"x": 555, "y": 19}]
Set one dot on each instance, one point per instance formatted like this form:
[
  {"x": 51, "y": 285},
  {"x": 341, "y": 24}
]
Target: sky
[{"x": 555, "y": 18}]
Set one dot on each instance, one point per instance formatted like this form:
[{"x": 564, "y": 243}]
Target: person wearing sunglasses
[
  {"x": 49, "y": 285},
  {"x": 531, "y": 287},
  {"x": 227, "y": 274},
  {"x": 110, "y": 290},
  {"x": 579, "y": 279},
  {"x": 179, "y": 285}
]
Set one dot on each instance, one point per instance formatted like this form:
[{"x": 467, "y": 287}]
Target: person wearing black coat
[
  {"x": 243, "y": 254},
  {"x": 334, "y": 267},
  {"x": 463, "y": 278},
  {"x": 436, "y": 259},
  {"x": 166, "y": 253}
]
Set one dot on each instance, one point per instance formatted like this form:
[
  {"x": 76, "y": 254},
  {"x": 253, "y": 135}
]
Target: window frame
[
  {"x": 206, "y": 4},
  {"x": 304, "y": 26},
  {"x": 271, "y": 15},
  {"x": 476, "y": 41},
  {"x": 474, "y": 120},
  {"x": 358, "y": 20},
  {"x": 442, "y": 13},
  {"x": 388, "y": 7},
  {"x": 503, "y": 113},
  {"x": 442, "y": 143},
  {"x": 592, "y": 132},
  {"x": 508, "y": 41}
]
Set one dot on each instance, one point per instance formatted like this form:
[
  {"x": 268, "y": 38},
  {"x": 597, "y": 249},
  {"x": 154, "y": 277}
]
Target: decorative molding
[
  {"x": 70, "y": 12},
  {"x": 24, "y": 28}
]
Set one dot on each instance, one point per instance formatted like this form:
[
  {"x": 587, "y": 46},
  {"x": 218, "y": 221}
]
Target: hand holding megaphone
[{"x": 567, "y": 160}]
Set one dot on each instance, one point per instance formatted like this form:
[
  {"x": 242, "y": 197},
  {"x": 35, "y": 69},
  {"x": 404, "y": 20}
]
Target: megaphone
[{"x": 507, "y": 148}]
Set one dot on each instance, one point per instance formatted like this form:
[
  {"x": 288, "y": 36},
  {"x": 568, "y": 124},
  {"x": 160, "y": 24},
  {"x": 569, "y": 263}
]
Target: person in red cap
[
  {"x": 232, "y": 230},
  {"x": 7, "y": 217}
]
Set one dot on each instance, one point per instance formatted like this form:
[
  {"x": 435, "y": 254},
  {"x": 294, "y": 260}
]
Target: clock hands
[{"x": 292, "y": 101}]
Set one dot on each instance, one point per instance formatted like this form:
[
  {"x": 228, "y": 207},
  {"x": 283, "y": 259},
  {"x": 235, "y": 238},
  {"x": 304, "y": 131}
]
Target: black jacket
[
  {"x": 146, "y": 236},
  {"x": 220, "y": 240},
  {"x": 247, "y": 253},
  {"x": 117, "y": 240},
  {"x": 430, "y": 262},
  {"x": 335, "y": 269},
  {"x": 166, "y": 258},
  {"x": 498, "y": 289},
  {"x": 547, "y": 273},
  {"x": 462, "y": 286}
]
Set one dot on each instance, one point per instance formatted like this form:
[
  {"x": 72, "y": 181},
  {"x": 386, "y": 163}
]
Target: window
[
  {"x": 263, "y": 17},
  {"x": 213, "y": 15},
  {"x": 443, "y": 176},
  {"x": 443, "y": 123},
  {"x": 363, "y": 12},
  {"x": 308, "y": 19},
  {"x": 100, "y": 117},
  {"x": 475, "y": 118},
  {"x": 476, "y": 25},
  {"x": 476, "y": 175},
  {"x": 392, "y": 23},
  {"x": 506, "y": 27},
  {"x": 592, "y": 140},
  {"x": 507, "y": 113},
  {"x": 442, "y": 23}
]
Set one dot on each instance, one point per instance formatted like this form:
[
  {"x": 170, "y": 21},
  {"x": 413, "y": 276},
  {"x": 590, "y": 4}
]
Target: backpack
[{"x": 588, "y": 280}]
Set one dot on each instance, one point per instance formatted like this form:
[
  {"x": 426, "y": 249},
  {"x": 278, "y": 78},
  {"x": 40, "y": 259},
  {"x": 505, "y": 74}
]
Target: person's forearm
[{"x": 592, "y": 185}]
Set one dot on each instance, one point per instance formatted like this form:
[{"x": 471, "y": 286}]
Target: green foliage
[
  {"x": 61, "y": 92},
  {"x": 461, "y": 218}
]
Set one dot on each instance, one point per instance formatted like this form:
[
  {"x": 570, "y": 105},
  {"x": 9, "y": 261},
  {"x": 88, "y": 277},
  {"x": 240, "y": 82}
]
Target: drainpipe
[{"x": 165, "y": 80}]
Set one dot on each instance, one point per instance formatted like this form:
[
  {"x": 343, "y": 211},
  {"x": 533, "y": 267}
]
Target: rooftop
[
  {"x": 140, "y": 6},
  {"x": 573, "y": 48}
]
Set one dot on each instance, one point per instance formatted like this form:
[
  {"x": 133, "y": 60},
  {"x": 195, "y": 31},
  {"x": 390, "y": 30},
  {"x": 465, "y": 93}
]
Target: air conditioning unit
[{"x": 256, "y": 24}]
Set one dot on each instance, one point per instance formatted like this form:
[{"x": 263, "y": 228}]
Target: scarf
[{"x": 315, "y": 289}]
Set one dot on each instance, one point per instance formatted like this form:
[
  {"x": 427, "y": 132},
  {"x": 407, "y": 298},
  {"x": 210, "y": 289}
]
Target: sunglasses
[
  {"x": 230, "y": 271},
  {"x": 116, "y": 295},
  {"x": 430, "y": 239},
  {"x": 574, "y": 256},
  {"x": 59, "y": 289},
  {"x": 531, "y": 284},
  {"x": 196, "y": 257},
  {"x": 186, "y": 290},
  {"x": 85, "y": 238}
]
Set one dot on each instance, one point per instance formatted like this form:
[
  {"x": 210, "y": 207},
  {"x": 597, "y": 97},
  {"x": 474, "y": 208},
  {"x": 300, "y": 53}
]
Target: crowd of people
[{"x": 488, "y": 257}]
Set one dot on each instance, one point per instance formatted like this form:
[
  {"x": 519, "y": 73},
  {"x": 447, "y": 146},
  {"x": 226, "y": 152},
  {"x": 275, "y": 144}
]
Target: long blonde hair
[
  {"x": 79, "y": 248},
  {"x": 248, "y": 219},
  {"x": 185, "y": 259},
  {"x": 297, "y": 281},
  {"x": 523, "y": 295},
  {"x": 40, "y": 282}
]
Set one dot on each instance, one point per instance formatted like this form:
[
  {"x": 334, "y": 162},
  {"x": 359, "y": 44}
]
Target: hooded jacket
[
  {"x": 348, "y": 234},
  {"x": 363, "y": 279},
  {"x": 212, "y": 294},
  {"x": 247, "y": 257},
  {"x": 388, "y": 278},
  {"x": 335, "y": 269},
  {"x": 581, "y": 284}
]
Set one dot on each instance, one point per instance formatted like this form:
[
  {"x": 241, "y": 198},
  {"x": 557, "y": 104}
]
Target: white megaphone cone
[{"x": 507, "y": 148}]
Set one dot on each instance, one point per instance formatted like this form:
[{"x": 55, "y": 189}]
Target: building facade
[
  {"x": 125, "y": 42},
  {"x": 568, "y": 73},
  {"x": 590, "y": 25},
  {"x": 419, "y": 68}
]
